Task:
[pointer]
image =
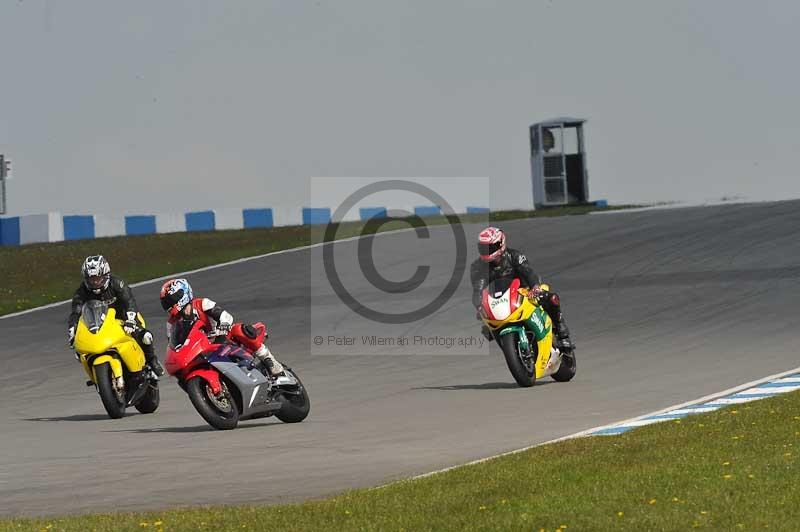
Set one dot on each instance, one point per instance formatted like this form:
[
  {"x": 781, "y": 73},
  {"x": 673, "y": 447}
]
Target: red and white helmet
[{"x": 491, "y": 244}]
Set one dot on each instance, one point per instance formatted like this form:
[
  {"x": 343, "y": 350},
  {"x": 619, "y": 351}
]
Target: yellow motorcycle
[
  {"x": 524, "y": 332},
  {"x": 114, "y": 362}
]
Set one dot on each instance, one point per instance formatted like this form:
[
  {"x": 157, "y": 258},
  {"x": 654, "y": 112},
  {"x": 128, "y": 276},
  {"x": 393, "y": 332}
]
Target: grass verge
[
  {"x": 733, "y": 469},
  {"x": 38, "y": 274}
]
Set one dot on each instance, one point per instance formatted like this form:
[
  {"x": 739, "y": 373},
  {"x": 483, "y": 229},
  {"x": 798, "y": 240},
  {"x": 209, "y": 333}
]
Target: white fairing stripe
[
  {"x": 253, "y": 397},
  {"x": 501, "y": 306}
]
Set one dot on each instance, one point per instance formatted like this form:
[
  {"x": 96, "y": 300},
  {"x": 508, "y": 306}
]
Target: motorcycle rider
[
  {"x": 495, "y": 261},
  {"x": 177, "y": 299},
  {"x": 99, "y": 284}
]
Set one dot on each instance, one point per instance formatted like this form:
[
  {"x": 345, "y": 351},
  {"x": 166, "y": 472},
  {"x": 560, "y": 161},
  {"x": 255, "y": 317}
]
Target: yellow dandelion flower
[
  {"x": 726, "y": 463},
  {"x": 727, "y": 477},
  {"x": 620, "y": 514},
  {"x": 652, "y": 501}
]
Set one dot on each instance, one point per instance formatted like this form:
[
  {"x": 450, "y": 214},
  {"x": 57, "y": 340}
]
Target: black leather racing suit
[
  {"x": 117, "y": 295},
  {"x": 514, "y": 264}
]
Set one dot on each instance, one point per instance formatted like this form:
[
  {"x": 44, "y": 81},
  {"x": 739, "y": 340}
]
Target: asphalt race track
[{"x": 665, "y": 305}]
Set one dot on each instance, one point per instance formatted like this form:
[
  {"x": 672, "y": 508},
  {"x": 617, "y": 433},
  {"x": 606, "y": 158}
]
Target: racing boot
[
  {"x": 268, "y": 360},
  {"x": 565, "y": 343},
  {"x": 150, "y": 354}
]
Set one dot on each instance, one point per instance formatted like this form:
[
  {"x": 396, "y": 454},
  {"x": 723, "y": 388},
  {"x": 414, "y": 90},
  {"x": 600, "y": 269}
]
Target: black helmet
[{"x": 96, "y": 273}]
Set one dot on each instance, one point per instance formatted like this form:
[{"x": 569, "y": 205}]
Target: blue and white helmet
[
  {"x": 175, "y": 295},
  {"x": 96, "y": 273}
]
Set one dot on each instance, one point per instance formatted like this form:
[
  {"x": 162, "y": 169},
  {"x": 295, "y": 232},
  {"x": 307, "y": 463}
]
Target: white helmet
[{"x": 96, "y": 273}]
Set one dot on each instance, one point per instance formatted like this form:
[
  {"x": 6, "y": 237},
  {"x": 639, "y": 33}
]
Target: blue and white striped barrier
[
  {"x": 770, "y": 388},
  {"x": 53, "y": 227}
]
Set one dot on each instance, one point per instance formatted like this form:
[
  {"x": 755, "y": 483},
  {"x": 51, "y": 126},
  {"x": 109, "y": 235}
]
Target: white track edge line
[
  {"x": 680, "y": 205},
  {"x": 588, "y": 432},
  {"x": 241, "y": 260},
  {"x": 224, "y": 264}
]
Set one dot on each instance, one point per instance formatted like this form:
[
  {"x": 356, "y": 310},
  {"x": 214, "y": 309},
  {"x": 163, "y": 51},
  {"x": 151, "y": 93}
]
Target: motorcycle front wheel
[
  {"x": 113, "y": 399},
  {"x": 219, "y": 411},
  {"x": 523, "y": 372}
]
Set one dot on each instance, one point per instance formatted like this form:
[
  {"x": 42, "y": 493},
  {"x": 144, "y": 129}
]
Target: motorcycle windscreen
[
  {"x": 93, "y": 315},
  {"x": 499, "y": 286},
  {"x": 179, "y": 332}
]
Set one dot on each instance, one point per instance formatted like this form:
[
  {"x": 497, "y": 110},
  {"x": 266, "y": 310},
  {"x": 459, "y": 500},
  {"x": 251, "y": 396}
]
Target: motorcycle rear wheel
[
  {"x": 509, "y": 343},
  {"x": 112, "y": 402},
  {"x": 152, "y": 398},
  {"x": 296, "y": 403},
  {"x": 567, "y": 369},
  {"x": 205, "y": 403}
]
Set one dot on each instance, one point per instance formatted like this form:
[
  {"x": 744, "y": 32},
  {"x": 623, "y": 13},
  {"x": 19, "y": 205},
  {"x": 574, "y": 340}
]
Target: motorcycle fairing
[
  {"x": 253, "y": 386},
  {"x": 108, "y": 338},
  {"x": 208, "y": 375},
  {"x": 90, "y": 362},
  {"x": 539, "y": 322},
  {"x": 228, "y": 353},
  {"x": 502, "y": 300},
  {"x": 545, "y": 362}
]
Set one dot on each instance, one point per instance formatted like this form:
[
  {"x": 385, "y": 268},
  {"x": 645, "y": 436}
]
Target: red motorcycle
[{"x": 222, "y": 380}]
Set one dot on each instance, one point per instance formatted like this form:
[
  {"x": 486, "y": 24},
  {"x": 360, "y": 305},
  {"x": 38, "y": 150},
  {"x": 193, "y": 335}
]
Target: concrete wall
[{"x": 53, "y": 227}]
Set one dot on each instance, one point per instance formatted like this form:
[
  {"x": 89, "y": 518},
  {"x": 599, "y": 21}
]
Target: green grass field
[
  {"x": 733, "y": 469},
  {"x": 38, "y": 274}
]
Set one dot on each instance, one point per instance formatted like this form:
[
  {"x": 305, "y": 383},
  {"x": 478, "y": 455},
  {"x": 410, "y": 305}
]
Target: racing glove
[
  {"x": 71, "y": 337},
  {"x": 130, "y": 324},
  {"x": 535, "y": 292}
]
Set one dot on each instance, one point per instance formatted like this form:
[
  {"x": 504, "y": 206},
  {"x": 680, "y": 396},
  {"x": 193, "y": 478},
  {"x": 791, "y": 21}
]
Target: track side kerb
[{"x": 594, "y": 430}]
